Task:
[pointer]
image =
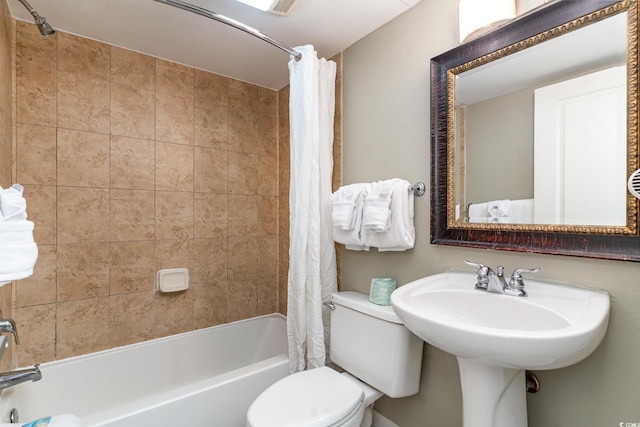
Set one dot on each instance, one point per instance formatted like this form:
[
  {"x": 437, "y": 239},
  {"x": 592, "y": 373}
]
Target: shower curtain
[{"x": 312, "y": 258}]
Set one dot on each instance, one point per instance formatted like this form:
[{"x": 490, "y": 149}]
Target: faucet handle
[
  {"x": 516, "y": 278},
  {"x": 483, "y": 271},
  {"x": 9, "y": 325},
  {"x": 477, "y": 264}
]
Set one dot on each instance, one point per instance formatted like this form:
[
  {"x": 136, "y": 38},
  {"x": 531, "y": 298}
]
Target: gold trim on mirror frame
[{"x": 632, "y": 121}]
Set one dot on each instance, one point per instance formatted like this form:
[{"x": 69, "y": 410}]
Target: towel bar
[{"x": 418, "y": 188}]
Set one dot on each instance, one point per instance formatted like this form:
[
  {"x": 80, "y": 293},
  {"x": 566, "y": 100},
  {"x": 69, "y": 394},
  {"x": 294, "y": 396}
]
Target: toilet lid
[{"x": 316, "y": 398}]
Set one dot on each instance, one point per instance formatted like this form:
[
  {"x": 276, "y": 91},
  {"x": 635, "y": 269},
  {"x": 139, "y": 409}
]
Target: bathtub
[{"x": 203, "y": 378}]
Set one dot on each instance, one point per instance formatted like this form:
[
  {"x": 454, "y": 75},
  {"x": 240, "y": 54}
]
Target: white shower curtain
[{"x": 312, "y": 258}]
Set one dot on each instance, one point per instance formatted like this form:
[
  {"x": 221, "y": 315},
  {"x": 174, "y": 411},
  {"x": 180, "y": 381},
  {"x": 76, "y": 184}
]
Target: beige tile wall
[
  {"x": 5, "y": 95},
  {"x": 133, "y": 164},
  {"x": 283, "y": 193},
  {"x": 6, "y": 135}
]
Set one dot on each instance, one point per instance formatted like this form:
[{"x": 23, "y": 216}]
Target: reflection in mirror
[
  {"x": 534, "y": 132},
  {"x": 541, "y": 134}
]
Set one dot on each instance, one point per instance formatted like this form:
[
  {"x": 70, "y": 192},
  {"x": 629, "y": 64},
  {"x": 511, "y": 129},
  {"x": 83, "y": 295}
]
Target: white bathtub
[{"x": 203, "y": 378}]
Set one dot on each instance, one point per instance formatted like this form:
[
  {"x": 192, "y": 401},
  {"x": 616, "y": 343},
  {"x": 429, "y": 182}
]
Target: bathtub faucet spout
[{"x": 9, "y": 379}]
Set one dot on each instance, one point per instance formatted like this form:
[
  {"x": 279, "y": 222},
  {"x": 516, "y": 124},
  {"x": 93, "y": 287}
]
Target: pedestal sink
[{"x": 497, "y": 337}]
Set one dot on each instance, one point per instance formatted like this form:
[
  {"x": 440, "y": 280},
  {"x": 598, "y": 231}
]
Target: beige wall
[
  {"x": 386, "y": 134},
  {"x": 510, "y": 152},
  {"x": 133, "y": 164}
]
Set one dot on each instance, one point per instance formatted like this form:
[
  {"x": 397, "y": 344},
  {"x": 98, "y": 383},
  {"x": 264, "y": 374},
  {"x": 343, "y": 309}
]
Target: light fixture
[
  {"x": 279, "y": 7},
  {"x": 478, "y": 16},
  {"x": 258, "y": 4}
]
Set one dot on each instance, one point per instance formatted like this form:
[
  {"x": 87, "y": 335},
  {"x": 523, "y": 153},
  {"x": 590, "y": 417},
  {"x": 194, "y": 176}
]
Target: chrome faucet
[
  {"x": 8, "y": 325},
  {"x": 497, "y": 283},
  {"x": 494, "y": 281},
  {"x": 9, "y": 379}
]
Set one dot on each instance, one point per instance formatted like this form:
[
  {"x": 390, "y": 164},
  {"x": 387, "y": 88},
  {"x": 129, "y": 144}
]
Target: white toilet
[{"x": 378, "y": 353}]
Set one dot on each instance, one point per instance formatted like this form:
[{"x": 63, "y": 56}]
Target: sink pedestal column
[{"x": 492, "y": 396}]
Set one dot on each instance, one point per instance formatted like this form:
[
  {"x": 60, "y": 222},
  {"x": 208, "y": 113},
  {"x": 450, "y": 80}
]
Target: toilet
[{"x": 379, "y": 356}]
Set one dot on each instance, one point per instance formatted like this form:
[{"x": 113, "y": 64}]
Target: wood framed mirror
[{"x": 534, "y": 133}]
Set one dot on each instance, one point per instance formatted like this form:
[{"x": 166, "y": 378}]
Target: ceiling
[{"x": 166, "y": 32}]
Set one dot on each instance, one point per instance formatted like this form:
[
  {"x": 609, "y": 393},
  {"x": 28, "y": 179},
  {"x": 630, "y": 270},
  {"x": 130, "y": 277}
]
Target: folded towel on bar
[
  {"x": 521, "y": 211},
  {"x": 498, "y": 210},
  {"x": 502, "y": 211},
  {"x": 352, "y": 238},
  {"x": 13, "y": 207},
  {"x": 401, "y": 233},
  {"x": 344, "y": 206},
  {"x": 18, "y": 251},
  {"x": 478, "y": 211},
  {"x": 376, "y": 212}
]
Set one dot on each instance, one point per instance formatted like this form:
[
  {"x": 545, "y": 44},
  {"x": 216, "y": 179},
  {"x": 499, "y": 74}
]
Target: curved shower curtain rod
[{"x": 231, "y": 22}]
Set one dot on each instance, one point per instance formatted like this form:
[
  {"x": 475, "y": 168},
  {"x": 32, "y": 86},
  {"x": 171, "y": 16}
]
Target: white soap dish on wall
[{"x": 172, "y": 280}]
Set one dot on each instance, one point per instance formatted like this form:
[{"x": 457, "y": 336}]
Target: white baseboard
[{"x": 381, "y": 421}]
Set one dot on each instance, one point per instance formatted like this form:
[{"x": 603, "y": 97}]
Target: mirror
[{"x": 534, "y": 134}]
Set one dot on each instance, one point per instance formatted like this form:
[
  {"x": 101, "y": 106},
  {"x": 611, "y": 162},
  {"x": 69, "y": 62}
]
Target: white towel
[
  {"x": 498, "y": 210},
  {"x": 344, "y": 200},
  {"x": 478, "y": 213},
  {"x": 18, "y": 251},
  {"x": 376, "y": 213},
  {"x": 401, "y": 234},
  {"x": 521, "y": 211},
  {"x": 478, "y": 219},
  {"x": 478, "y": 210},
  {"x": 352, "y": 239},
  {"x": 343, "y": 215},
  {"x": 13, "y": 207}
]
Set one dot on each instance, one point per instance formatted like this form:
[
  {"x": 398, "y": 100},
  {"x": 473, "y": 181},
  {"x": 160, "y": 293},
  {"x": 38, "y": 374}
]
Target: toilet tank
[{"x": 371, "y": 342}]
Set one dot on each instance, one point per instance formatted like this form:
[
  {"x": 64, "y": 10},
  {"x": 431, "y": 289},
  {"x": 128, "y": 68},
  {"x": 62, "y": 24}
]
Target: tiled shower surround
[{"x": 133, "y": 164}]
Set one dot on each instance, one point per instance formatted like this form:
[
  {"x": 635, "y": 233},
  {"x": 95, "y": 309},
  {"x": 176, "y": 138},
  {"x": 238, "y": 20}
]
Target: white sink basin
[{"x": 553, "y": 327}]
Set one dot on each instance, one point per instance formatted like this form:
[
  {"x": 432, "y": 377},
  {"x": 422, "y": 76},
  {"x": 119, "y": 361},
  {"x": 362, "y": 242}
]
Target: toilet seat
[{"x": 316, "y": 398}]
